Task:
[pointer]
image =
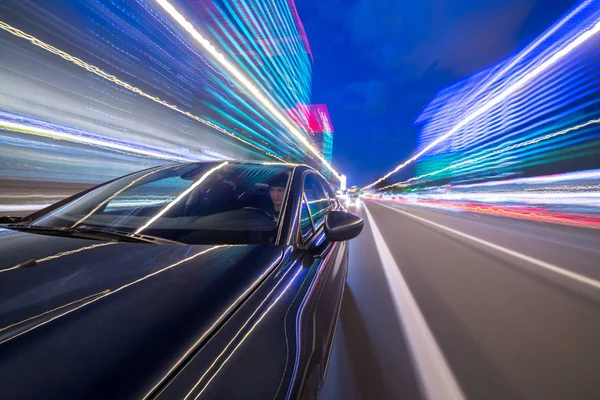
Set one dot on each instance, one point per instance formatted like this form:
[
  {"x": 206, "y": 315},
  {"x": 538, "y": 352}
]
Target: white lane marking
[
  {"x": 543, "y": 264},
  {"x": 453, "y": 214},
  {"x": 436, "y": 378}
]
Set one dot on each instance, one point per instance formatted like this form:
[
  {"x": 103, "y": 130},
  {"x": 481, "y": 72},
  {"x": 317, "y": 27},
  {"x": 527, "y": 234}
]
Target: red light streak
[{"x": 519, "y": 212}]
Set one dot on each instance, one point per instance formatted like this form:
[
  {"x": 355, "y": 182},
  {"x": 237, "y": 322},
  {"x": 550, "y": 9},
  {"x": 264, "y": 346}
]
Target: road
[{"x": 467, "y": 306}]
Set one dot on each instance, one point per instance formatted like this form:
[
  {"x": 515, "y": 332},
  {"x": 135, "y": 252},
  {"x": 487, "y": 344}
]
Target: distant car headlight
[{"x": 351, "y": 202}]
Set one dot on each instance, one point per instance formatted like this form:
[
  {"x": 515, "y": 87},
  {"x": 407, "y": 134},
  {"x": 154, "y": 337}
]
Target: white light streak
[
  {"x": 70, "y": 137},
  {"x": 502, "y": 96},
  {"x": 95, "y": 70},
  {"x": 23, "y": 207},
  {"x": 116, "y": 194},
  {"x": 495, "y": 152},
  {"x": 589, "y": 199},
  {"x": 246, "y": 83},
  {"x": 182, "y": 195}
]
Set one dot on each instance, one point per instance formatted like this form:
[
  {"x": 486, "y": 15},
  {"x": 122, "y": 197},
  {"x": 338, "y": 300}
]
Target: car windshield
[{"x": 203, "y": 203}]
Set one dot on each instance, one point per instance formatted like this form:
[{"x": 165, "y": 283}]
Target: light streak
[
  {"x": 102, "y": 129},
  {"x": 496, "y": 152},
  {"x": 521, "y": 56},
  {"x": 570, "y": 198},
  {"x": 181, "y": 196},
  {"x": 280, "y": 163},
  {"x": 23, "y": 207},
  {"x": 536, "y": 214},
  {"x": 124, "y": 204},
  {"x": 87, "y": 140},
  {"x": 590, "y": 199},
  {"x": 255, "y": 27},
  {"x": 323, "y": 200},
  {"x": 70, "y": 252},
  {"x": 285, "y": 330},
  {"x": 97, "y": 71},
  {"x": 505, "y": 94},
  {"x": 570, "y": 176},
  {"x": 118, "y": 192},
  {"x": 246, "y": 83}
]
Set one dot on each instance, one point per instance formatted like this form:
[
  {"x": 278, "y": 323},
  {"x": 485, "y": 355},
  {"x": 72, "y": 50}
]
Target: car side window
[{"x": 317, "y": 199}]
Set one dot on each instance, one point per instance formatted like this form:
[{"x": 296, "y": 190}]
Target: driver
[{"x": 277, "y": 192}]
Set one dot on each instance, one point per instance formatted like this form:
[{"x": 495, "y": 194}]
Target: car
[
  {"x": 353, "y": 200},
  {"x": 207, "y": 280}
]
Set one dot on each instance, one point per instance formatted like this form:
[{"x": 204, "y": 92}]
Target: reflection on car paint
[
  {"x": 260, "y": 318},
  {"x": 109, "y": 292},
  {"x": 213, "y": 326},
  {"x": 301, "y": 312},
  {"x": 86, "y": 299},
  {"x": 59, "y": 255}
]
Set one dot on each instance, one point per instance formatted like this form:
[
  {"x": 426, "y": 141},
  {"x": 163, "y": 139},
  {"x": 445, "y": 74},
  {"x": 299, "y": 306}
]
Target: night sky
[{"x": 377, "y": 63}]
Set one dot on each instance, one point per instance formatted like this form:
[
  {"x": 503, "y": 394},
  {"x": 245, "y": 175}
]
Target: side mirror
[
  {"x": 341, "y": 226},
  {"x": 10, "y": 220}
]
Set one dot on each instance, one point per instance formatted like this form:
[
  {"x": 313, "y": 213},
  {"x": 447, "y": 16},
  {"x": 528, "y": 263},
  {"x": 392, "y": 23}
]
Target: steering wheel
[{"x": 263, "y": 212}]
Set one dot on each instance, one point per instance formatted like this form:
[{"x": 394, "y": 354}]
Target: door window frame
[{"x": 304, "y": 201}]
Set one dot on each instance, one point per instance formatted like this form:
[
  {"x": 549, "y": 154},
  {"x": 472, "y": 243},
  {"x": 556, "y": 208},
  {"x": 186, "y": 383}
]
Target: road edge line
[
  {"x": 532, "y": 260},
  {"x": 436, "y": 378}
]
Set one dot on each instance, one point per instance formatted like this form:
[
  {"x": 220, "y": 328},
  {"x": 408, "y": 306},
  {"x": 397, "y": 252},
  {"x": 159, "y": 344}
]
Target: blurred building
[
  {"x": 94, "y": 90},
  {"x": 266, "y": 38},
  {"x": 321, "y": 129},
  {"x": 535, "y": 113},
  {"x": 315, "y": 120}
]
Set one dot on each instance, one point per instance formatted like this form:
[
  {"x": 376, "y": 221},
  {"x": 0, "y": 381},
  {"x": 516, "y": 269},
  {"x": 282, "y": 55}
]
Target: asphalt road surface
[{"x": 448, "y": 305}]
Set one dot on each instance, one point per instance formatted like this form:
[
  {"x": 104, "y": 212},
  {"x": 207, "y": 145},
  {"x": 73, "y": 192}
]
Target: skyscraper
[{"x": 321, "y": 129}]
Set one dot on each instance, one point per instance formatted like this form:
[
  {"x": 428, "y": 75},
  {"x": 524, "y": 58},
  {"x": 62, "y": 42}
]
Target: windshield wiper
[
  {"x": 125, "y": 235},
  {"x": 87, "y": 231},
  {"x": 50, "y": 230}
]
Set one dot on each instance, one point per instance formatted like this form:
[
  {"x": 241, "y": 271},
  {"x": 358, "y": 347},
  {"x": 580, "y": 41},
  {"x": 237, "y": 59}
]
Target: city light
[
  {"x": 246, "y": 83},
  {"x": 111, "y": 87},
  {"x": 509, "y": 88},
  {"x": 95, "y": 70},
  {"x": 502, "y": 150},
  {"x": 343, "y": 182},
  {"x": 570, "y": 198}
]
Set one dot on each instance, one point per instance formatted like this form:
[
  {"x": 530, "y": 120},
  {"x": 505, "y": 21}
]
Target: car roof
[
  {"x": 291, "y": 166},
  {"x": 242, "y": 162}
]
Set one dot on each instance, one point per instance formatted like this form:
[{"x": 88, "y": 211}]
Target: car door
[
  {"x": 318, "y": 319},
  {"x": 276, "y": 344}
]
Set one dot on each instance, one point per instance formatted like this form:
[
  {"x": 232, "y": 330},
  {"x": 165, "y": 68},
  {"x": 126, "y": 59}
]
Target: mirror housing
[
  {"x": 9, "y": 220},
  {"x": 341, "y": 226}
]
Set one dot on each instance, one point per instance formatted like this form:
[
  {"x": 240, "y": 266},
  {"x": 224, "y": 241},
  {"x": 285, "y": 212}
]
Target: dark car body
[{"x": 83, "y": 318}]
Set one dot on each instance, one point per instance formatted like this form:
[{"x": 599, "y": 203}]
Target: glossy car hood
[{"x": 86, "y": 319}]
